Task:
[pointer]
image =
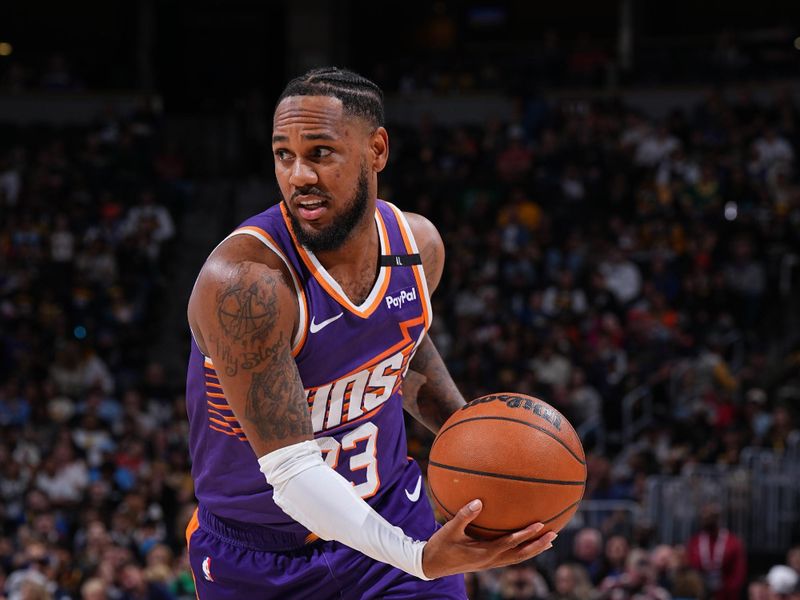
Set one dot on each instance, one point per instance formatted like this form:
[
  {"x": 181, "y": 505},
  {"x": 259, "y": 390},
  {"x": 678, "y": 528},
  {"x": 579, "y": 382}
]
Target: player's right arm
[{"x": 243, "y": 314}]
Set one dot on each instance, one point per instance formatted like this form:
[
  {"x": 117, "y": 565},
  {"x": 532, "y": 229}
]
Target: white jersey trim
[
  {"x": 403, "y": 223},
  {"x": 377, "y": 286},
  {"x": 298, "y": 289}
]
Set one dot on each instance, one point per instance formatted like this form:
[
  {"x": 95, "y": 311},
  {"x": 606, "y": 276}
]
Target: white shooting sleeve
[{"x": 324, "y": 502}]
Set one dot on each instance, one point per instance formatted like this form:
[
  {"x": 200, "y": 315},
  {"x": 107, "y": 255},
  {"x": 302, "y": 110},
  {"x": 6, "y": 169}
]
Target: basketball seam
[
  {"x": 570, "y": 507},
  {"x": 542, "y": 429},
  {"x": 440, "y": 503},
  {"x": 545, "y": 522},
  {"x": 452, "y": 514},
  {"x": 505, "y": 476}
]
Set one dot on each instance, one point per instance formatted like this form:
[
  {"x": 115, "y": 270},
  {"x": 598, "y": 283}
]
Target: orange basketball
[{"x": 518, "y": 455}]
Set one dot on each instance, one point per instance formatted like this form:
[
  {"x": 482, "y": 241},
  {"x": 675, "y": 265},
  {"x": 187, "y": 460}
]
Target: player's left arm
[{"x": 429, "y": 393}]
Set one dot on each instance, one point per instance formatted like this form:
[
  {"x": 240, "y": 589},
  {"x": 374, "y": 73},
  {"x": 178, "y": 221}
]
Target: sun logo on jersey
[{"x": 207, "y": 568}]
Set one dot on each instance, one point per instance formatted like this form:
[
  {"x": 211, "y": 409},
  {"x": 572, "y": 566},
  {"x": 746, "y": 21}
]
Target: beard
[{"x": 334, "y": 235}]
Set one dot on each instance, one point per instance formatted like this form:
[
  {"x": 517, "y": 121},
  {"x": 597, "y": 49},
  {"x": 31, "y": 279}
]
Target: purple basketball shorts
[{"x": 233, "y": 560}]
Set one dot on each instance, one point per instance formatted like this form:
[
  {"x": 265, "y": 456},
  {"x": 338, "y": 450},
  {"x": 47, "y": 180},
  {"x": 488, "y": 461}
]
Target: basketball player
[{"x": 305, "y": 322}]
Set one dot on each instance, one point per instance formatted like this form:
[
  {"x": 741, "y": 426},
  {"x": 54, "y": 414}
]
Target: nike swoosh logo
[
  {"x": 414, "y": 496},
  {"x": 315, "y": 327}
]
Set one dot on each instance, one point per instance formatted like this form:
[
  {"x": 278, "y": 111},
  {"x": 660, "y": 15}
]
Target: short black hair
[{"x": 360, "y": 97}]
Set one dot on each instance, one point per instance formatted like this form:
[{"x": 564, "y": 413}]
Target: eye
[
  {"x": 322, "y": 152},
  {"x": 282, "y": 154}
]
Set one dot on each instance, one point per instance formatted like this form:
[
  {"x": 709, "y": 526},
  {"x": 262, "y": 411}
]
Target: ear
[{"x": 379, "y": 147}]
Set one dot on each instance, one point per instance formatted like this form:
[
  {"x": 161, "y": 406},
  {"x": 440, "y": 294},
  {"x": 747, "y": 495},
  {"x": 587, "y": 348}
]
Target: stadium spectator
[
  {"x": 521, "y": 582},
  {"x": 94, "y": 589},
  {"x": 136, "y": 586},
  {"x": 587, "y": 551},
  {"x": 782, "y": 581},
  {"x": 637, "y": 581},
  {"x": 718, "y": 554},
  {"x": 758, "y": 589},
  {"x": 615, "y": 556},
  {"x": 571, "y": 583}
]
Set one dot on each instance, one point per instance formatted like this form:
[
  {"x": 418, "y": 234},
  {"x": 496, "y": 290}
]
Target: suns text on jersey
[{"x": 358, "y": 393}]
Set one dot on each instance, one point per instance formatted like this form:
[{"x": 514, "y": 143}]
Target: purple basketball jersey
[{"x": 351, "y": 360}]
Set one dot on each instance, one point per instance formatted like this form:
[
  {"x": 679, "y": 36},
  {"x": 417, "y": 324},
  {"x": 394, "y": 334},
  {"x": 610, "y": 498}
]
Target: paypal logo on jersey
[{"x": 397, "y": 301}]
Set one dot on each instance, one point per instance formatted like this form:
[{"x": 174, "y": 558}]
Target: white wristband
[{"x": 324, "y": 502}]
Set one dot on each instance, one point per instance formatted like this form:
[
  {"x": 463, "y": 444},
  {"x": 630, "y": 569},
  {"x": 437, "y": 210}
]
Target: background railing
[{"x": 759, "y": 498}]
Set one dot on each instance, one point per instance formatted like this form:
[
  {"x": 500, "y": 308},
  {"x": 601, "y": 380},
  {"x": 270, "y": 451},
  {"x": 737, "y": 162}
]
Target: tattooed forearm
[
  {"x": 274, "y": 407},
  {"x": 247, "y": 309},
  {"x": 438, "y": 397}
]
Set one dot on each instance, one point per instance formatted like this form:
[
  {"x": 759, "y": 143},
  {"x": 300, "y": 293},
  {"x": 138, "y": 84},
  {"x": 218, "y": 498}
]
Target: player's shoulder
[
  {"x": 239, "y": 252},
  {"x": 431, "y": 247},
  {"x": 239, "y": 265},
  {"x": 254, "y": 243},
  {"x": 424, "y": 231}
]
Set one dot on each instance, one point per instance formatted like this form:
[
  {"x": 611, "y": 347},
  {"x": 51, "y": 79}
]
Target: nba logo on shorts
[{"x": 207, "y": 568}]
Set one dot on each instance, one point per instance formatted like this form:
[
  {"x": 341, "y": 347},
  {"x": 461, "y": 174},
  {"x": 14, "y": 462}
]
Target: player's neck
[{"x": 359, "y": 250}]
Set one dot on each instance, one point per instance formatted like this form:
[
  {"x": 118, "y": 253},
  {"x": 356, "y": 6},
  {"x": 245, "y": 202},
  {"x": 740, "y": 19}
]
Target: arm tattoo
[
  {"x": 438, "y": 397},
  {"x": 246, "y": 309},
  {"x": 273, "y": 406},
  {"x": 228, "y": 357},
  {"x": 252, "y": 344}
]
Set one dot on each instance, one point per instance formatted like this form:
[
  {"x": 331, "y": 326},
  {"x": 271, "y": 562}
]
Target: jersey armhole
[{"x": 419, "y": 270}]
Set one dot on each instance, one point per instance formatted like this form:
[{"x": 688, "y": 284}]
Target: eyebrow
[{"x": 306, "y": 136}]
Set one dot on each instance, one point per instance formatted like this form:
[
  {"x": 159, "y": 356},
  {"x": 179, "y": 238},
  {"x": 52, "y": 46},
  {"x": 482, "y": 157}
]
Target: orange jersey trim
[
  {"x": 192, "y": 526},
  {"x": 225, "y": 417},
  {"x": 326, "y": 285},
  {"x": 404, "y": 327},
  {"x": 226, "y": 424},
  {"x": 240, "y": 437},
  {"x": 219, "y": 406}
]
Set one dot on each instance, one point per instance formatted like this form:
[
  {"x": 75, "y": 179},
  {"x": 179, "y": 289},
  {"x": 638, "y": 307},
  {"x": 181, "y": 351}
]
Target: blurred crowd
[
  {"x": 94, "y": 475},
  {"x": 591, "y": 252},
  {"x": 594, "y": 254},
  {"x": 449, "y": 50},
  {"x": 612, "y": 568},
  {"x": 448, "y": 56},
  {"x": 53, "y": 74}
]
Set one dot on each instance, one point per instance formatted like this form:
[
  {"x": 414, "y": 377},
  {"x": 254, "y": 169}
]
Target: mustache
[{"x": 310, "y": 191}]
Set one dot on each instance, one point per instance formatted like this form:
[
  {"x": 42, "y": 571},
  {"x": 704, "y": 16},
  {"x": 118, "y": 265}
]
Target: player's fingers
[
  {"x": 530, "y": 548},
  {"x": 512, "y": 540},
  {"x": 466, "y": 515}
]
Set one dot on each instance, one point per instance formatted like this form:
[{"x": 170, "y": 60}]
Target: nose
[{"x": 302, "y": 174}]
